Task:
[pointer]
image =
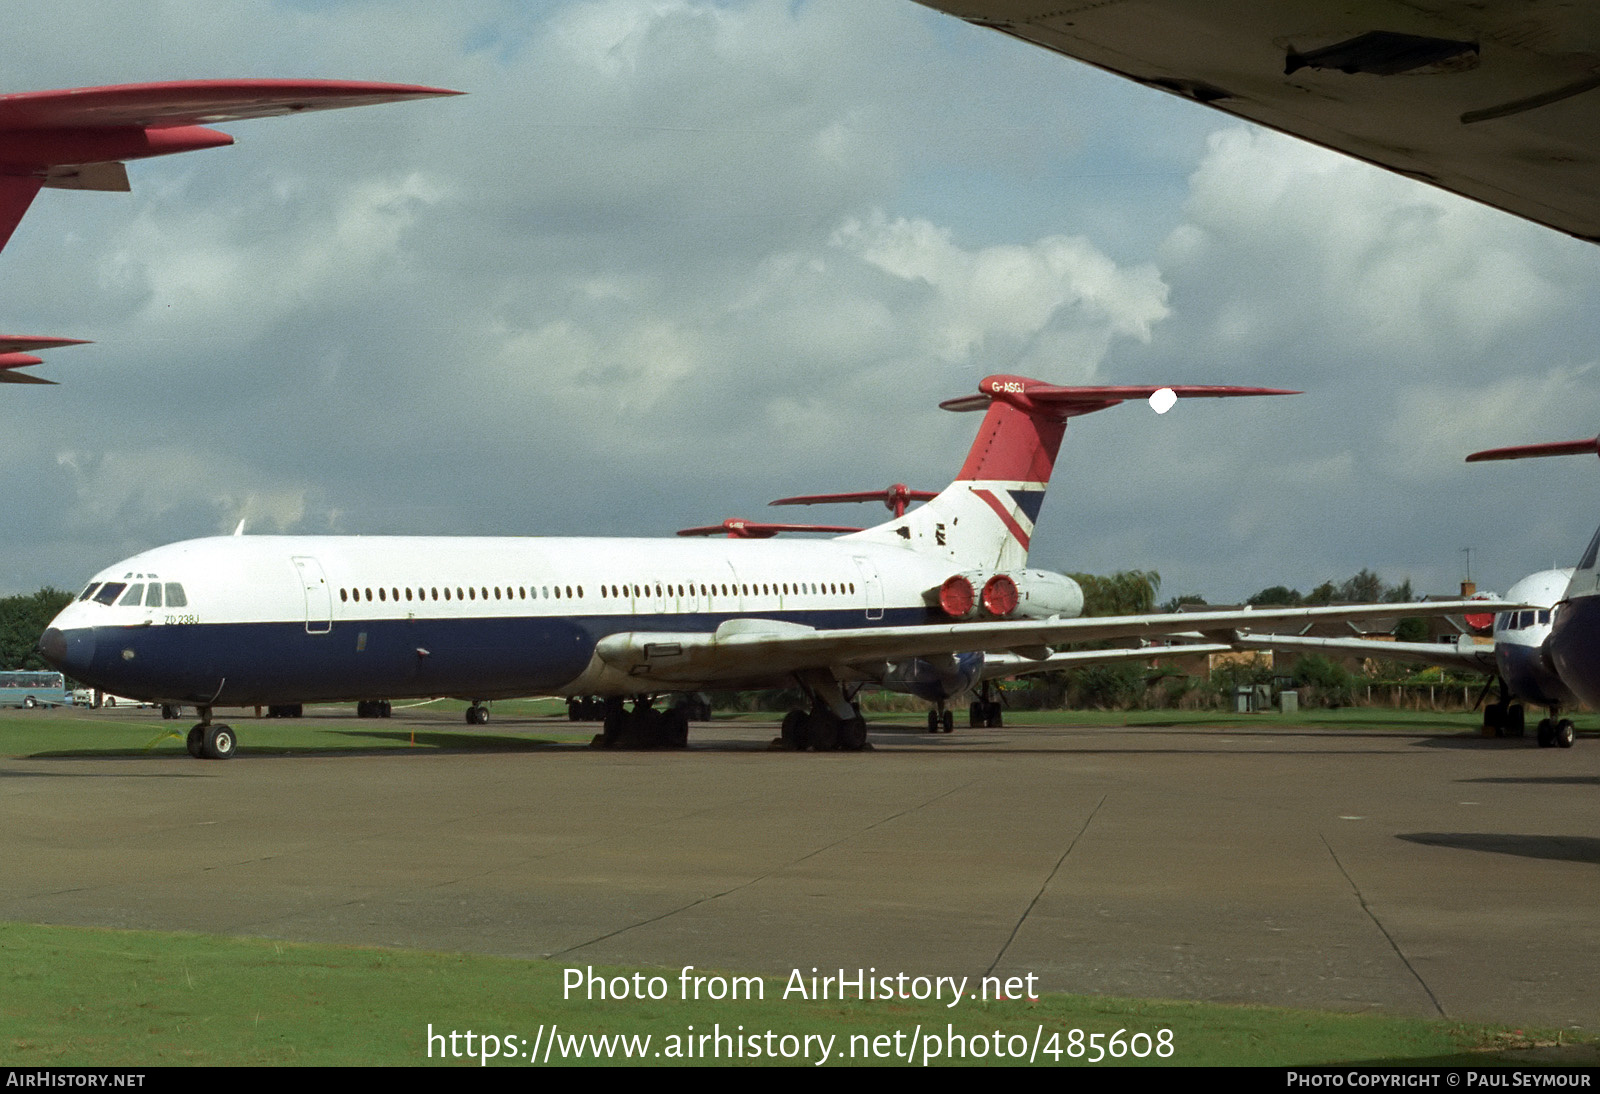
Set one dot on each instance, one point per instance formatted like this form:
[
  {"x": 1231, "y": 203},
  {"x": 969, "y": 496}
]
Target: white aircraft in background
[
  {"x": 1519, "y": 662},
  {"x": 78, "y": 139},
  {"x": 1492, "y": 99},
  {"x": 1572, "y": 649},
  {"x": 271, "y": 620}
]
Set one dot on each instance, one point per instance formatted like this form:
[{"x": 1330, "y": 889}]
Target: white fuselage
[{"x": 281, "y": 619}]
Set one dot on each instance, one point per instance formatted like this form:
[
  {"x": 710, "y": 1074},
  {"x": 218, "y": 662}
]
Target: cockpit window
[
  {"x": 152, "y": 596},
  {"x": 175, "y": 597},
  {"x": 87, "y": 593},
  {"x": 135, "y": 595},
  {"x": 109, "y": 592}
]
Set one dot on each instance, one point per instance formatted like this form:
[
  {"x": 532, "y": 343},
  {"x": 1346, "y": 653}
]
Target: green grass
[
  {"x": 80, "y": 997},
  {"x": 108, "y": 733},
  {"x": 531, "y": 724}
]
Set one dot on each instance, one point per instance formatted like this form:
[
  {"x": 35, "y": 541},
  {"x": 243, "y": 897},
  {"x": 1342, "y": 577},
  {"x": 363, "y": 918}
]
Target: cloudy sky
[{"x": 670, "y": 259}]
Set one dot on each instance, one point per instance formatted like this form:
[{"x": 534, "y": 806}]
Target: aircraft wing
[
  {"x": 744, "y": 649},
  {"x": 1497, "y": 100},
  {"x": 1004, "y": 665},
  {"x": 1461, "y": 654},
  {"x": 77, "y": 139},
  {"x": 16, "y": 353},
  {"x": 193, "y": 102}
]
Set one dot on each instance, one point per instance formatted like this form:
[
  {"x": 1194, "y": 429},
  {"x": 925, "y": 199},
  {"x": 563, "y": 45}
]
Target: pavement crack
[
  {"x": 1376, "y": 922},
  {"x": 813, "y": 853},
  {"x": 1054, "y": 870}
]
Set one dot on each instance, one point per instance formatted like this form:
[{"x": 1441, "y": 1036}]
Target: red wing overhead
[
  {"x": 738, "y": 528},
  {"x": 895, "y": 498},
  {"x": 1498, "y": 100},
  {"x": 78, "y": 139},
  {"x": 1529, "y": 451},
  {"x": 17, "y": 352}
]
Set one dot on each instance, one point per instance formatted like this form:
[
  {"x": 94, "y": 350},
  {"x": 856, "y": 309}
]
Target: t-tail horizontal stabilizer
[{"x": 16, "y": 353}]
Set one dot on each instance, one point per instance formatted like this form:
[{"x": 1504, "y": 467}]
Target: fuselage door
[
  {"x": 319, "y": 598},
  {"x": 873, "y": 587}
]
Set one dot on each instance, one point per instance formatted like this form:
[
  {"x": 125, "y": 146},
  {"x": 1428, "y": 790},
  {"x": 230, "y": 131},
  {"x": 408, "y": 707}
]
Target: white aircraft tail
[{"x": 983, "y": 521}]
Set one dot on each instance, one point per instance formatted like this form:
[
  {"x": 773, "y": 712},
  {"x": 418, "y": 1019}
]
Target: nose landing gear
[{"x": 211, "y": 740}]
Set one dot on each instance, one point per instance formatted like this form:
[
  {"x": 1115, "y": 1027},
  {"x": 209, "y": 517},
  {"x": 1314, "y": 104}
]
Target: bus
[{"x": 33, "y": 689}]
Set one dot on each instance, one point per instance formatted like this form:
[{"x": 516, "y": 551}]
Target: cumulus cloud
[{"x": 1062, "y": 290}]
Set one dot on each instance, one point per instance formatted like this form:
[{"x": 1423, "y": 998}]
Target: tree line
[{"x": 22, "y": 620}]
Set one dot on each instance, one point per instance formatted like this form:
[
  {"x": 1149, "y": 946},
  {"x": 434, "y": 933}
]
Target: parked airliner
[
  {"x": 1519, "y": 662},
  {"x": 261, "y": 620},
  {"x": 1572, "y": 649}
]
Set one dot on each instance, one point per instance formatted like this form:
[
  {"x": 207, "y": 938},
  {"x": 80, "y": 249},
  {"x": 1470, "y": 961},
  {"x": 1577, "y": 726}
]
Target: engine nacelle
[
  {"x": 1022, "y": 594},
  {"x": 1042, "y": 594}
]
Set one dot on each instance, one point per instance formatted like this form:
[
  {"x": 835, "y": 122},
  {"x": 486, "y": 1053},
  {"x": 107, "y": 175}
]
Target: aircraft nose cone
[
  {"x": 53, "y": 647},
  {"x": 71, "y": 652}
]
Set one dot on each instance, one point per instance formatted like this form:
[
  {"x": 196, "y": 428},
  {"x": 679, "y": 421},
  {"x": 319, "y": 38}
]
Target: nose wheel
[
  {"x": 1557, "y": 734},
  {"x": 212, "y": 741}
]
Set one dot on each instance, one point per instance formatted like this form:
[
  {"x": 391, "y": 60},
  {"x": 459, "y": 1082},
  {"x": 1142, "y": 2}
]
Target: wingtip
[{"x": 1588, "y": 446}]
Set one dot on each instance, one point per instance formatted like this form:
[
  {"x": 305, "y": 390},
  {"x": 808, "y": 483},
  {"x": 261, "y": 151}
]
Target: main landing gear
[
  {"x": 211, "y": 740},
  {"x": 373, "y": 708},
  {"x": 985, "y": 711},
  {"x": 824, "y": 731},
  {"x": 477, "y": 714},
  {"x": 585, "y": 708},
  {"x": 941, "y": 719},
  {"x": 1505, "y": 719},
  {"x": 1508, "y": 718},
  {"x": 641, "y": 727}
]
